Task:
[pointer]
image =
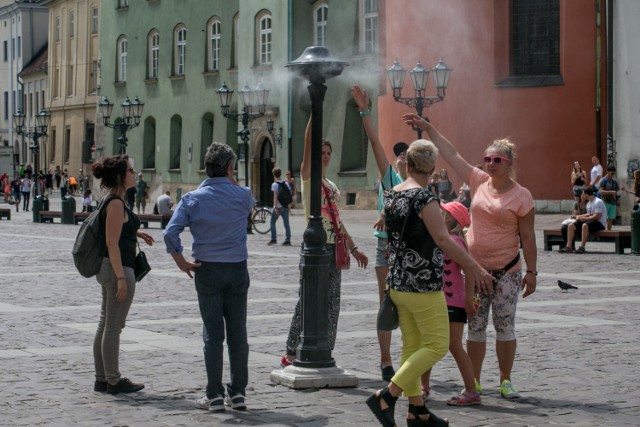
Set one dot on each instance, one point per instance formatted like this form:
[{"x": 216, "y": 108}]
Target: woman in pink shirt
[{"x": 503, "y": 217}]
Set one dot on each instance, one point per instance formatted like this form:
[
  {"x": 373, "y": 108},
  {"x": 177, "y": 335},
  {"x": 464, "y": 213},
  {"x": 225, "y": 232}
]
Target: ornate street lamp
[
  {"x": 131, "y": 113},
  {"x": 419, "y": 78},
  {"x": 43, "y": 119},
  {"x": 314, "y": 351},
  {"x": 254, "y": 104}
]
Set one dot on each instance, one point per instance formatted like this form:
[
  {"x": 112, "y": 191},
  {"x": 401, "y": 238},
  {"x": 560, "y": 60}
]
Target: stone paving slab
[{"x": 576, "y": 363}]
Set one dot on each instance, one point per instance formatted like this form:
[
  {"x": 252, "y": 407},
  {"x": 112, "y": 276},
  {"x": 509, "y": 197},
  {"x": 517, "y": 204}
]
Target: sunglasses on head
[{"x": 496, "y": 159}]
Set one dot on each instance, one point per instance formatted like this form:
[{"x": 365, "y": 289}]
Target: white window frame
[
  {"x": 215, "y": 34},
  {"x": 154, "y": 54},
  {"x": 369, "y": 27},
  {"x": 265, "y": 39},
  {"x": 123, "y": 47},
  {"x": 123, "y": 3},
  {"x": 180, "y": 41},
  {"x": 320, "y": 14},
  {"x": 56, "y": 30}
]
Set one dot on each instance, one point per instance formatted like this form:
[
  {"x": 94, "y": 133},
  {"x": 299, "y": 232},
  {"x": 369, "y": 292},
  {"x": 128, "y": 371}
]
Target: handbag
[
  {"x": 387, "y": 319},
  {"x": 343, "y": 256},
  {"x": 142, "y": 267},
  {"x": 387, "y": 314}
]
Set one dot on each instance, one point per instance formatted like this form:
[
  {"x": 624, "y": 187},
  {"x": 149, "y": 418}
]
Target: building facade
[
  {"x": 73, "y": 69},
  {"x": 23, "y": 34},
  {"x": 174, "y": 58}
]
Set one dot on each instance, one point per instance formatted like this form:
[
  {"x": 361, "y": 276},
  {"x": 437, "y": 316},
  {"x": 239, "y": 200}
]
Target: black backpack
[
  {"x": 284, "y": 194},
  {"x": 89, "y": 248}
]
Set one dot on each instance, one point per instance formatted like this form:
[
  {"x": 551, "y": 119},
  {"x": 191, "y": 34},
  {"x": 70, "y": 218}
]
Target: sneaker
[
  {"x": 284, "y": 362},
  {"x": 478, "y": 386},
  {"x": 124, "y": 386},
  {"x": 580, "y": 250},
  {"x": 100, "y": 386},
  {"x": 465, "y": 399},
  {"x": 272, "y": 242},
  {"x": 508, "y": 391},
  {"x": 286, "y": 243},
  {"x": 214, "y": 405},
  {"x": 426, "y": 393},
  {"x": 236, "y": 402}
]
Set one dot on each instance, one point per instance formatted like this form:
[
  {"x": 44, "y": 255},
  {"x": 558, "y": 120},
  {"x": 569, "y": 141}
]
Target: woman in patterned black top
[{"x": 415, "y": 281}]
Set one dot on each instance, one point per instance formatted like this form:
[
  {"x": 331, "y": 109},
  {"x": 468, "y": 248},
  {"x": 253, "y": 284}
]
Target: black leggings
[{"x": 25, "y": 200}]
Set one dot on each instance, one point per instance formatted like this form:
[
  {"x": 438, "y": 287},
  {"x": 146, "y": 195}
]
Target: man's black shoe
[
  {"x": 272, "y": 242},
  {"x": 124, "y": 386},
  {"x": 100, "y": 386},
  {"x": 286, "y": 243}
]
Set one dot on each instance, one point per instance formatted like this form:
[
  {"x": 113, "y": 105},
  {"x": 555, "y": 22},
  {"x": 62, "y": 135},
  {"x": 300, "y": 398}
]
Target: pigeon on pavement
[{"x": 566, "y": 286}]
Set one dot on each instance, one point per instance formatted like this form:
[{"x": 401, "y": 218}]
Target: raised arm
[
  {"x": 447, "y": 149},
  {"x": 361, "y": 98},
  {"x": 305, "y": 167}
]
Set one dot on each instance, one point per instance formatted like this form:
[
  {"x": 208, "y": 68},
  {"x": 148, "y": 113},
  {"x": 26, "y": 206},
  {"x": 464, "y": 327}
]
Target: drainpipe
[
  {"x": 289, "y": 87},
  {"x": 611, "y": 143}
]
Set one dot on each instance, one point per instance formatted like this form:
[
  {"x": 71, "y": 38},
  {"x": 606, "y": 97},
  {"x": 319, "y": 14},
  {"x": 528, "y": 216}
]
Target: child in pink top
[{"x": 460, "y": 303}]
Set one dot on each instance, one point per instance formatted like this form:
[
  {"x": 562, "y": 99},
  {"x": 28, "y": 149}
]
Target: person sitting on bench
[{"x": 593, "y": 221}]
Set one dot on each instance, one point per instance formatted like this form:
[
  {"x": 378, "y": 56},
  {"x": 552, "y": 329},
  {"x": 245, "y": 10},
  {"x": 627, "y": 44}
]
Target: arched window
[
  {"x": 149, "y": 143},
  {"x": 264, "y": 39},
  {"x": 180, "y": 40},
  {"x": 175, "y": 142},
  {"x": 122, "y": 59},
  {"x": 320, "y": 24},
  {"x": 213, "y": 49},
  {"x": 235, "y": 41},
  {"x": 72, "y": 24},
  {"x": 206, "y": 137},
  {"x": 153, "y": 46}
]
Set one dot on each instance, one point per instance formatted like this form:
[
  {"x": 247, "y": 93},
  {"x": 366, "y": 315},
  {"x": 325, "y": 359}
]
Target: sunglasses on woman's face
[{"x": 496, "y": 159}]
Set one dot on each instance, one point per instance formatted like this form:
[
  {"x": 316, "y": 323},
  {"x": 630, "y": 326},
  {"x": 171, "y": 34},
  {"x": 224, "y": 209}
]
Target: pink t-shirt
[
  {"x": 452, "y": 278},
  {"x": 493, "y": 236}
]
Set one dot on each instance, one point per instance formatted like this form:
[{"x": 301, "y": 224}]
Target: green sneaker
[
  {"x": 508, "y": 391},
  {"x": 478, "y": 386}
]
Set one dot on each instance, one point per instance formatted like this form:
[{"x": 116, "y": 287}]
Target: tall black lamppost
[
  {"x": 315, "y": 64},
  {"x": 131, "y": 113},
  {"x": 419, "y": 78},
  {"x": 254, "y": 104},
  {"x": 43, "y": 118}
]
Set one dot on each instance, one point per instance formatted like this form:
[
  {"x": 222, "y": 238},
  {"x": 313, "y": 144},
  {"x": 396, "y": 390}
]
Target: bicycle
[{"x": 261, "y": 219}]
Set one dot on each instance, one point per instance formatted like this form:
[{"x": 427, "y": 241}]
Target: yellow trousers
[{"x": 424, "y": 323}]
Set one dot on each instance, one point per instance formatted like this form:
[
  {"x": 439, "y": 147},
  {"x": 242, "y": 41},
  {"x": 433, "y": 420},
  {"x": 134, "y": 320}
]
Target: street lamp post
[
  {"x": 43, "y": 119},
  {"x": 419, "y": 78},
  {"x": 254, "y": 104},
  {"x": 314, "y": 366},
  {"x": 131, "y": 113}
]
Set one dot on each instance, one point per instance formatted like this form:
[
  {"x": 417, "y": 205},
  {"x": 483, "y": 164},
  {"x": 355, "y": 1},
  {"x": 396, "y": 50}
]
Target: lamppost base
[{"x": 300, "y": 378}]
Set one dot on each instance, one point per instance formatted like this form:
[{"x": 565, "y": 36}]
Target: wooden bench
[
  {"x": 79, "y": 217},
  {"x": 621, "y": 238},
  {"x": 5, "y": 213},
  {"x": 48, "y": 216},
  {"x": 145, "y": 219}
]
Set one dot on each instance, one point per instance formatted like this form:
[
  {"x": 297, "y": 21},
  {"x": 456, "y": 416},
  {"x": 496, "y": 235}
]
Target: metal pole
[
  {"x": 419, "y": 108},
  {"x": 36, "y": 160},
  {"x": 314, "y": 350},
  {"x": 245, "y": 140}
]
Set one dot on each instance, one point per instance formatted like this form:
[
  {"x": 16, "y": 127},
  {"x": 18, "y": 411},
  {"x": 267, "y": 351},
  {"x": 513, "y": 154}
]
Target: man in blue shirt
[{"x": 216, "y": 214}]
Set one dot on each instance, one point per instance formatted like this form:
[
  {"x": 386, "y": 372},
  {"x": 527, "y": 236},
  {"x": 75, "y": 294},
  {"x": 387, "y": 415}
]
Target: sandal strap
[{"x": 386, "y": 395}]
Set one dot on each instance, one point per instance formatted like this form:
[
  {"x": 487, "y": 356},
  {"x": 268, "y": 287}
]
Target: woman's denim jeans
[
  {"x": 113, "y": 314},
  {"x": 222, "y": 296}
]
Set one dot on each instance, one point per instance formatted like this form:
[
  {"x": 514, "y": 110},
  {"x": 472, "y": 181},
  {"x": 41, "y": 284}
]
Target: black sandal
[
  {"x": 432, "y": 421},
  {"x": 385, "y": 416}
]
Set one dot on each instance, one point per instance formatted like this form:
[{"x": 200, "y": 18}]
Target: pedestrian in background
[
  {"x": 25, "y": 189},
  {"x": 141, "y": 193},
  {"x": 216, "y": 214},
  {"x": 578, "y": 180},
  {"x": 116, "y": 276},
  {"x": 281, "y": 202},
  {"x": 16, "y": 189},
  {"x": 609, "y": 189},
  {"x": 334, "y": 275},
  {"x": 512, "y": 227},
  {"x": 288, "y": 176},
  {"x": 417, "y": 238}
]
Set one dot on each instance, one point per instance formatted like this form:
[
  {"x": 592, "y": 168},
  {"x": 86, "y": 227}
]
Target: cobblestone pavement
[{"x": 576, "y": 362}]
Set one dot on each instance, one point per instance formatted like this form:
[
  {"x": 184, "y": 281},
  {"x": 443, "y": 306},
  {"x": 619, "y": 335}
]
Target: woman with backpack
[{"x": 116, "y": 275}]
